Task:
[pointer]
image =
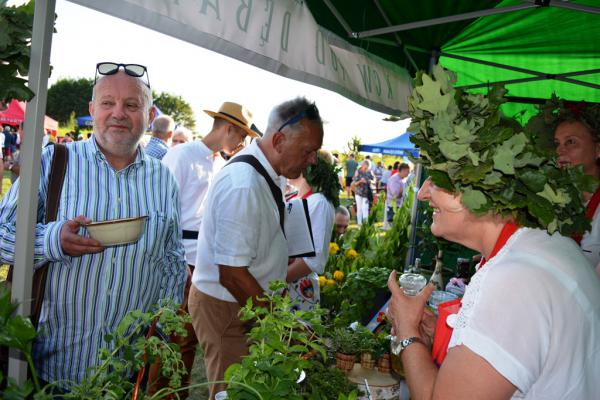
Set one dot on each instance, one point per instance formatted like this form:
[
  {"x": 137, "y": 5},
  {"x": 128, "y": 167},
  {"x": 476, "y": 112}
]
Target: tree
[
  {"x": 67, "y": 96},
  {"x": 176, "y": 108},
  {"x": 15, "y": 39}
]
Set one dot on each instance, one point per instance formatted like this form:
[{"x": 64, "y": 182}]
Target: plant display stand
[{"x": 381, "y": 386}]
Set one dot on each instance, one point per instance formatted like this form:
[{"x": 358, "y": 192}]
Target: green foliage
[
  {"x": 68, "y": 96},
  {"x": 354, "y": 144},
  {"x": 324, "y": 383},
  {"x": 125, "y": 354},
  {"x": 16, "y": 25},
  {"x": 359, "y": 292},
  {"x": 323, "y": 178},
  {"x": 344, "y": 340},
  {"x": 469, "y": 148},
  {"x": 366, "y": 340},
  {"x": 279, "y": 345},
  {"x": 175, "y": 107}
]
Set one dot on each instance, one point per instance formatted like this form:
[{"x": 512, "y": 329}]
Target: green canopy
[{"x": 535, "y": 47}]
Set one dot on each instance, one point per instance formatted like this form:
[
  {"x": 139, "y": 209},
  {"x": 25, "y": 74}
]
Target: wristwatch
[{"x": 404, "y": 343}]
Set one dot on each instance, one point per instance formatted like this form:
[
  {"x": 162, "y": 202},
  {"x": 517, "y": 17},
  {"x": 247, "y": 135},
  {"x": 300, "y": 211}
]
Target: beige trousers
[{"x": 220, "y": 332}]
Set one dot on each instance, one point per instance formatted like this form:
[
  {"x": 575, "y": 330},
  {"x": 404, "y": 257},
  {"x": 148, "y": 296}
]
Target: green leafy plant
[
  {"x": 15, "y": 39},
  {"x": 324, "y": 383},
  {"x": 128, "y": 351},
  {"x": 344, "y": 340},
  {"x": 469, "y": 148},
  {"x": 281, "y": 344}
]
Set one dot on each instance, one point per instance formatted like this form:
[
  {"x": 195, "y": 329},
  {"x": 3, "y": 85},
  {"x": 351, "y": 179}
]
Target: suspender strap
[{"x": 275, "y": 190}]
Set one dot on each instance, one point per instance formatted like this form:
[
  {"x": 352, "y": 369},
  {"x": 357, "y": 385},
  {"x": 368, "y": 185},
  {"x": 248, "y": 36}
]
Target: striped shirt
[
  {"x": 156, "y": 148},
  {"x": 87, "y": 296}
]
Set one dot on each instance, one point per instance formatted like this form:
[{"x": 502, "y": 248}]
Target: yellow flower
[
  {"x": 338, "y": 275},
  {"x": 333, "y": 248},
  {"x": 322, "y": 281},
  {"x": 330, "y": 282},
  {"x": 351, "y": 253}
]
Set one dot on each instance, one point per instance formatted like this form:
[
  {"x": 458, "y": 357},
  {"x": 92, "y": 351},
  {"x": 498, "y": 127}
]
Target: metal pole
[
  {"x": 398, "y": 40},
  {"x": 576, "y": 7},
  {"x": 39, "y": 68},
  {"x": 442, "y": 20},
  {"x": 339, "y": 17}
]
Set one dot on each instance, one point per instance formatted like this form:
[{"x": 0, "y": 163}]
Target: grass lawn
[{"x": 5, "y": 183}]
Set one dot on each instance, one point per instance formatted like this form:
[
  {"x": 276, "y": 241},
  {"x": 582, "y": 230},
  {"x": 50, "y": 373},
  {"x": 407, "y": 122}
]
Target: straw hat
[{"x": 237, "y": 115}]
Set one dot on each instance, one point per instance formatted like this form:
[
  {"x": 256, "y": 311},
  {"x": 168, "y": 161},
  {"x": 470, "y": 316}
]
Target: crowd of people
[{"x": 215, "y": 237}]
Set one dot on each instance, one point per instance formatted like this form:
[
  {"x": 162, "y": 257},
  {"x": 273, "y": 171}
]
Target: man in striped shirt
[{"x": 90, "y": 288}]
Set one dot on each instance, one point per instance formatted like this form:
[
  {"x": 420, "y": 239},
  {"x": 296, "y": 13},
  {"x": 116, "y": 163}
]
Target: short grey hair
[
  {"x": 289, "y": 109},
  {"x": 182, "y": 130},
  {"x": 145, "y": 90},
  {"x": 162, "y": 125},
  {"x": 342, "y": 210}
]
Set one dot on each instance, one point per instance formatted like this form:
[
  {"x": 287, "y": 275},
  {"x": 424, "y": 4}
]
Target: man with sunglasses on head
[
  {"x": 194, "y": 165},
  {"x": 241, "y": 244},
  {"x": 90, "y": 288}
]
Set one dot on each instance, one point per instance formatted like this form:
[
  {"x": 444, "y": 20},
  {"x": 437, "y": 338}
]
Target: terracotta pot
[
  {"x": 345, "y": 362},
  {"x": 383, "y": 364},
  {"x": 367, "y": 361}
]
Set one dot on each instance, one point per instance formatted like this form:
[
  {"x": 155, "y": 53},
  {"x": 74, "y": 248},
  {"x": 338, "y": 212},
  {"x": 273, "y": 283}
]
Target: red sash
[
  {"x": 589, "y": 212},
  {"x": 443, "y": 331}
]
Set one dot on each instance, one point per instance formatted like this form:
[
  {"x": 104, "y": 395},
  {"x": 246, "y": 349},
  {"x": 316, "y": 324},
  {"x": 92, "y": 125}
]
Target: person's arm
[
  {"x": 173, "y": 265},
  {"x": 297, "y": 269},
  {"x": 53, "y": 241},
  {"x": 463, "y": 374},
  {"x": 241, "y": 284}
]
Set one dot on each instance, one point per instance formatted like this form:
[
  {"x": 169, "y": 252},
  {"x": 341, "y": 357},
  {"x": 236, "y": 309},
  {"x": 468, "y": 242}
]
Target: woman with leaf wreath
[
  {"x": 576, "y": 131},
  {"x": 528, "y": 325},
  {"x": 319, "y": 184}
]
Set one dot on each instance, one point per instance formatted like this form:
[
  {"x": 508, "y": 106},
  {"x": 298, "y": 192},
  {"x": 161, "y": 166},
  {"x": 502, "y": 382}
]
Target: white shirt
[
  {"x": 322, "y": 214},
  {"x": 193, "y": 166},
  {"x": 590, "y": 242},
  {"x": 533, "y": 313},
  {"x": 240, "y": 228}
]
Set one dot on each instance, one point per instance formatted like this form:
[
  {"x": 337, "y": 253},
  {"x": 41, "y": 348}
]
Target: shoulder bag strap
[
  {"x": 275, "y": 190},
  {"x": 58, "y": 169}
]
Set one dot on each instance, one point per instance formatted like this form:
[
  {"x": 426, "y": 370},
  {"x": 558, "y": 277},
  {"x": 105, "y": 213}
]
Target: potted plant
[
  {"x": 344, "y": 344},
  {"x": 367, "y": 344},
  {"x": 384, "y": 364}
]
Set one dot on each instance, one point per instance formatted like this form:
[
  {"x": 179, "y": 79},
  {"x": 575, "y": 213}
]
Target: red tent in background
[{"x": 15, "y": 115}]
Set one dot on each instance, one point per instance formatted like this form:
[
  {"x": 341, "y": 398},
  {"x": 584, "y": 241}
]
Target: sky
[{"x": 203, "y": 78}]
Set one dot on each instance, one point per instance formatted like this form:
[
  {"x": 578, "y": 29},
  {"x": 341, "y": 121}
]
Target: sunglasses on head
[
  {"x": 111, "y": 68},
  {"x": 311, "y": 112}
]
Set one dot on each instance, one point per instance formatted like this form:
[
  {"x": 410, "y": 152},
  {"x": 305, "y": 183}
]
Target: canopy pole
[
  {"x": 442, "y": 20},
  {"x": 574, "y": 6},
  {"x": 339, "y": 17},
  {"x": 558, "y": 77},
  {"x": 398, "y": 40},
  {"x": 414, "y": 207},
  {"x": 39, "y": 69}
]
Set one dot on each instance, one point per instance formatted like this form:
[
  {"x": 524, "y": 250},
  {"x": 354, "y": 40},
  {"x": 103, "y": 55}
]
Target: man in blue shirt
[
  {"x": 162, "y": 131},
  {"x": 90, "y": 288}
]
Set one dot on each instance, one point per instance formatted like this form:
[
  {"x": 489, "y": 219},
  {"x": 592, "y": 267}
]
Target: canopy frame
[
  {"x": 539, "y": 76},
  {"x": 442, "y": 20}
]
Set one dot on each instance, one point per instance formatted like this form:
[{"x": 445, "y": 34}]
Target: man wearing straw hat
[
  {"x": 241, "y": 244},
  {"x": 194, "y": 165}
]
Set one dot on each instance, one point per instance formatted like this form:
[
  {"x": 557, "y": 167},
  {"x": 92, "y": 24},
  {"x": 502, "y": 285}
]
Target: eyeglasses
[
  {"x": 312, "y": 112},
  {"x": 111, "y": 68}
]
